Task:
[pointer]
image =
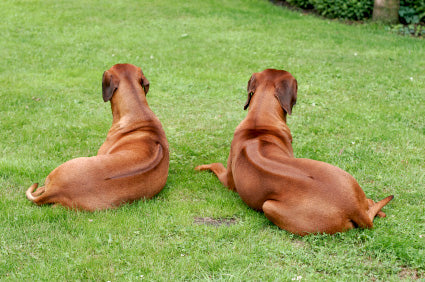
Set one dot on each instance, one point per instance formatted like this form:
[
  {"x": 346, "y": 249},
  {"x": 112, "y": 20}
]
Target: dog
[
  {"x": 131, "y": 164},
  {"x": 301, "y": 196}
]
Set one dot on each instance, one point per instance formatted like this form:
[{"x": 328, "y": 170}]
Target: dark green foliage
[
  {"x": 344, "y": 9},
  {"x": 411, "y": 29},
  {"x": 305, "y": 4},
  {"x": 412, "y": 11}
]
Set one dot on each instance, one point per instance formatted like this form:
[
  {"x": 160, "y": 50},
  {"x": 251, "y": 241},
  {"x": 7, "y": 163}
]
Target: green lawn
[{"x": 361, "y": 106}]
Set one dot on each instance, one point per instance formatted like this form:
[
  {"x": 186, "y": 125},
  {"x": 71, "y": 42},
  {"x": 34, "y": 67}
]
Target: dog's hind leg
[
  {"x": 218, "y": 169},
  {"x": 284, "y": 218},
  {"x": 304, "y": 220}
]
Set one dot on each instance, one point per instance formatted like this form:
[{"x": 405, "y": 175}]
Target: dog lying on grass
[
  {"x": 133, "y": 162},
  {"x": 302, "y": 196}
]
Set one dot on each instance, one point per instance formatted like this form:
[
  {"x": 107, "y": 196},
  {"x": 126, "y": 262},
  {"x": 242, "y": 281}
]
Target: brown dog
[
  {"x": 299, "y": 195},
  {"x": 130, "y": 165}
]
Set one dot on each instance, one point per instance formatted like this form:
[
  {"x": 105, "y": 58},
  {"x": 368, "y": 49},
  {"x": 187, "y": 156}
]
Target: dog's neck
[
  {"x": 266, "y": 114},
  {"x": 129, "y": 104},
  {"x": 266, "y": 110}
]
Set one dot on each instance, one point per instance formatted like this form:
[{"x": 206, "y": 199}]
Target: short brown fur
[
  {"x": 302, "y": 196},
  {"x": 131, "y": 164}
]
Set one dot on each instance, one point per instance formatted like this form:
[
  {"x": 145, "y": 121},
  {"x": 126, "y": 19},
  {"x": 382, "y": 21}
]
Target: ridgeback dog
[
  {"x": 133, "y": 162},
  {"x": 302, "y": 196}
]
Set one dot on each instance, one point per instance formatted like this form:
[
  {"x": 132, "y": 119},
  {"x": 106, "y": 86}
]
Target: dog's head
[
  {"x": 284, "y": 84},
  {"x": 112, "y": 77}
]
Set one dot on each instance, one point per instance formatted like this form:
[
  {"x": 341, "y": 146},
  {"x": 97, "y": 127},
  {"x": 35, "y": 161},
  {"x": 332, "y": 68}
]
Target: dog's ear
[
  {"x": 109, "y": 85},
  {"x": 145, "y": 83},
  {"x": 250, "y": 89},
  {"x": 286, "y": 93}
]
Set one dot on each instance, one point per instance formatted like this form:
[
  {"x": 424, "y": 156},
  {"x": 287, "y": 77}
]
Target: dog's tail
[
  {"x": 375, "y": 209},
  {"x": 30, "y": 191},
  {"x": 33, "y": 196}
]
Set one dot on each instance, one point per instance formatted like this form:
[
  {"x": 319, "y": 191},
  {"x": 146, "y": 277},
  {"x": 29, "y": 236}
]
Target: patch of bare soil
[
  {"x": 409, "y": 274},
  {"x": 214, "y": 221}
]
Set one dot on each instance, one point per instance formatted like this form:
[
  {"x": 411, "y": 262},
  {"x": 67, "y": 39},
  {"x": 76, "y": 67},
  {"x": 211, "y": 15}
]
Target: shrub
[
  {"x": 344, "y": 9},
  {"x": 305, "y": 4},
  {"x": 412, "y": 11},
  {"x": 411, "y": 29}
]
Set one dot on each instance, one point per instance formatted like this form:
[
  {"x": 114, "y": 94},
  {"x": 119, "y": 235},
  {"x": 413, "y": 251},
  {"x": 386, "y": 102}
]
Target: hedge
[{"x": 411, "y": 11}]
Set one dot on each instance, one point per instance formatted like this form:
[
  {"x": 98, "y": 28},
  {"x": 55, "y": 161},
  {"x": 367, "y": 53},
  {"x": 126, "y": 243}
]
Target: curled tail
[
  {"x": 35, "y": 196},
  {"x": 30, "y": 191},
  {"x": 375, "y": 208}
]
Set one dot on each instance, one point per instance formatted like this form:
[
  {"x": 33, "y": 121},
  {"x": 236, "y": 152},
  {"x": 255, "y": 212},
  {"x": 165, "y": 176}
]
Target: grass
[{"x": 361, "y": 107}]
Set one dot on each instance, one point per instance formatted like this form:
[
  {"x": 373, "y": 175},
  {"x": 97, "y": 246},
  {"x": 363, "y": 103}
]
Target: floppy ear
[
  {"x": 109, "y": 86},
  {"x": 286, "y": 93},
  {"x": 250, "y": 89},
  {"x": 145, "y": 83}
]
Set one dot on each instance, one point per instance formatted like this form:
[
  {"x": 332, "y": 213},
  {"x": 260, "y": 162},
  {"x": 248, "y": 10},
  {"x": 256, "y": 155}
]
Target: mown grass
[{"x": 361, "y": 107}]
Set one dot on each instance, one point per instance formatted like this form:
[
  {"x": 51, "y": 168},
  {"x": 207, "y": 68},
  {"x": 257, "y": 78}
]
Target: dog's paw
[
  {"x": 381, "y": 214},
  {"x": 202, "y": 167}
]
